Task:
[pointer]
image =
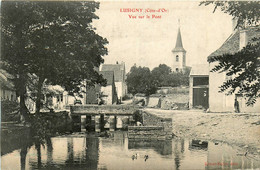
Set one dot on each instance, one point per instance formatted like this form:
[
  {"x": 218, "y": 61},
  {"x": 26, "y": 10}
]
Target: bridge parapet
[{"x": 103, "y": 109}]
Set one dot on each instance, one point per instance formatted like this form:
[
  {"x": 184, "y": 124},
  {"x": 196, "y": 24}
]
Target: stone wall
[
  {"x": 175, "y": 102},
  {"x": 150, "y": 119},
  {"x": 154, "y": 127}
]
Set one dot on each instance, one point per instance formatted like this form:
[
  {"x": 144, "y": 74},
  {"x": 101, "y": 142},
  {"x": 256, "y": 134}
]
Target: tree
[
  {"x": 54, "y": 41},
  {"x": 160, "y": 74},
  {"x": 139, "y": 80},
  {"x": 163, "y": 76},
  {"x": 243, "y": 66}
]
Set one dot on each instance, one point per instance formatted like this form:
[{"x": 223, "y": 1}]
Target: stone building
[{"x": 219, "y": 102}]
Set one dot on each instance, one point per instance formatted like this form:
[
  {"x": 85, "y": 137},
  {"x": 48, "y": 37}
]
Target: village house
[
  {"x": 219, "y": 102},
  {"x": 119, "y": 76},
  {"x": 7, "y": 90},
  {"x": 53, "y": 97},
  {"x": 107, "y": 94}
]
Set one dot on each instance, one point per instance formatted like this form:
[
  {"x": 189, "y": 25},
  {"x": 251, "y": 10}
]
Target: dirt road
[{"x": 240, "y": 129}]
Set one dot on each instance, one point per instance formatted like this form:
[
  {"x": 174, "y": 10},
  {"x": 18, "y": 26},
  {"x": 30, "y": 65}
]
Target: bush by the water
[{"x": 9, "y": 110}]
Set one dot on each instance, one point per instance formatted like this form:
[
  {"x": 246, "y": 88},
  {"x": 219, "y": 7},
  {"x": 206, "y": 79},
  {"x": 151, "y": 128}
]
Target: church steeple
[
  {"x": 179, "y": 53},
  {"x": 178, "y": 45}
]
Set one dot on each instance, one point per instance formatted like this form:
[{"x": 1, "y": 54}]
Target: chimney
[{"x": 243, "y": 39}]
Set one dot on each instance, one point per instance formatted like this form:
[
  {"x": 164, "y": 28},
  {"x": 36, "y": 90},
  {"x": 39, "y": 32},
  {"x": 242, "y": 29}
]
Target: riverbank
[{"x": 239, "y": 129}]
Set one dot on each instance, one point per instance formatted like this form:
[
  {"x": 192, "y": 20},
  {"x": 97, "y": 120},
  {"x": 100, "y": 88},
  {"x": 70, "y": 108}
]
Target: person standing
[{"x": 236, "y": 105}]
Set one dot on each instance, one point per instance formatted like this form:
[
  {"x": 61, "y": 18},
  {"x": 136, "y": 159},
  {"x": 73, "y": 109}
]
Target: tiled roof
[
  {"x": 200, "y": 70},
  {"x": 109, "y": 76},
  {"x": 118, "y": 70},
  {"x": 231, "y": 45},
  {"x": 54, "y": 89}
]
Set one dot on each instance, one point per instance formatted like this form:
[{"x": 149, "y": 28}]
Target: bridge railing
[{"x": 104, "y": 109}]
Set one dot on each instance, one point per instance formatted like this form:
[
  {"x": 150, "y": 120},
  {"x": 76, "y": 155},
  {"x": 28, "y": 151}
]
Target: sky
[{"x": 149, "y": 41}]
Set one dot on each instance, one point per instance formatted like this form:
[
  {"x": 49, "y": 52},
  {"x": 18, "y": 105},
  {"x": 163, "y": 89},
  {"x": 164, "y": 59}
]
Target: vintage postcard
[{"x": 130, "y": 85}]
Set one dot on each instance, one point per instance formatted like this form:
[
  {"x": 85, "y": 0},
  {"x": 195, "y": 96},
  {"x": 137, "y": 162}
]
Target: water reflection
[
  {"x": 161, "y": 147},
  {"x": 77, "y": 152},
  {"x": 23, "y": 154},
  {"x": 198, "y": 145}
]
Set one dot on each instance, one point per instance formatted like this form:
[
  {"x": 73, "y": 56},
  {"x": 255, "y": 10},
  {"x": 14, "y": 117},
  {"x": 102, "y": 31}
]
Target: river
[{"x": 80, "y": 151}]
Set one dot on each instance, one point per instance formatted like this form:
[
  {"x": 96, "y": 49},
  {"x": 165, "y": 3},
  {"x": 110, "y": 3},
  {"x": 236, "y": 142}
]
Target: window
[
  {"x": 177, "y": 70},
  {"x": 177, "y": 58}
]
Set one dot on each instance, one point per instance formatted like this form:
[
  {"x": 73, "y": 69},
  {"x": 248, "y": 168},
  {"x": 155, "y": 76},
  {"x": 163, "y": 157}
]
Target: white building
[{"x": 219, "y": 102}]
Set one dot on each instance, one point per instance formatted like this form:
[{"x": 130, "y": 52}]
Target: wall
[
  {"x": 8, "y": 94},
  {"x": 154, "y": 102},
  {"x": 216, "y": 99},
  {"x": 146, "y": 132},
  {"x": 219, "y": 102},
  {"x": 119, "y": 89},
  {"x": 178, "y": 97},
  {"x": 108, "y": 92},
  {"x": 150, "y": 119},
  {"x": 177, "y": 101},
  {"x": 154, "y": 127},
  {"x": 114, "y": 94}
]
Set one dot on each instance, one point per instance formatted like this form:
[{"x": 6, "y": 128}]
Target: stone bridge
[{"x": 88, "y": 115}]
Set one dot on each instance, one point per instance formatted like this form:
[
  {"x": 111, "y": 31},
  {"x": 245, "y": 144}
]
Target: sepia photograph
[{"x": 129, "y": 85}]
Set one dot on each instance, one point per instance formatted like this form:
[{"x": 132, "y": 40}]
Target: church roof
[
  {"x": 178, "y": 45},
  {"x": 231, "y": 45},
  {"x": 118, "y": 70}
]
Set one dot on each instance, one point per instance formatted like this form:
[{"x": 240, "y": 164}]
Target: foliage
[
  {"x": 244, "y": 11},
  {"x": 9, "y": 110},
  {"x": 161, "y": 74},
  {"x": 45, "y": 125},
  {"x": 54, "y": 41},
  {"x": 245, "y": 71},
  {"x": 142, "y": 80},
  {"x": 243, "y": 66},
  {"x": 164, "y": 77},
  {"x": 139, "y": 80}
]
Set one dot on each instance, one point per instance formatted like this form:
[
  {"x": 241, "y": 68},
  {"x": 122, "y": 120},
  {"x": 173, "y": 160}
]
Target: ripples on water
[{"x": 81, "y": 152}]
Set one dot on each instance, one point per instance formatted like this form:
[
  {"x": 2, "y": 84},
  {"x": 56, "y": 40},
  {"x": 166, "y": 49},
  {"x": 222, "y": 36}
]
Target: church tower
[{"x": 179, "y": 54}]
